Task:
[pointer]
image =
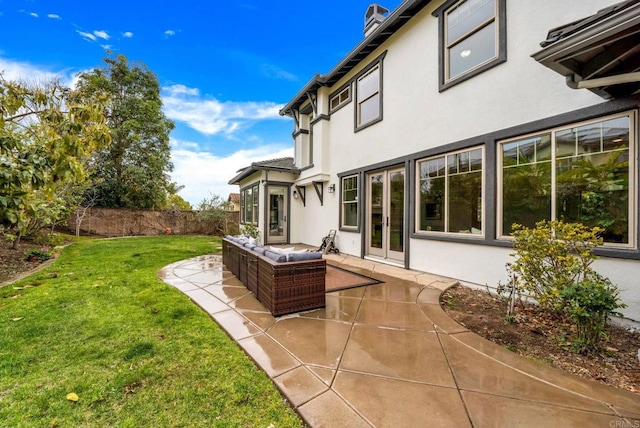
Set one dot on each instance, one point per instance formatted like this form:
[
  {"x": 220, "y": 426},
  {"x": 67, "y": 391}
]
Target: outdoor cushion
[
  {"x": 306, "y": 255},
  {"x": 249, "y": 245},
  {"x": 288, "y": 253},
  {"x": 259, "y": 250},
  {"x": 276, "y": 257},
  {"x": 281, "y": 250}
]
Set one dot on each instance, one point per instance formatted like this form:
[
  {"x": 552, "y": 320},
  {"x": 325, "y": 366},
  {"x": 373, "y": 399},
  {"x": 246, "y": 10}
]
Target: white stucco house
[{"x": 453, "y": 119}]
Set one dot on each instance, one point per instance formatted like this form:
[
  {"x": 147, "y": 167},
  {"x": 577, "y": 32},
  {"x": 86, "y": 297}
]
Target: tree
[
  {"x": 46, "y": 135},
  {"x": 177, "y": 202},
  {"x": 134, "y": 170},
  {"x": 215, "y": 211}
]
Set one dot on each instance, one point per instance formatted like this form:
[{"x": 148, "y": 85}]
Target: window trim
[
  {"x": 255, "y": 204},
  {"x": 633, "y": 174},
  {"x": 356, "y": 202},
  {"x": 500, "y": 19},
  {"x": 369, "y": 68},
  {"x": 424, "y": 233},
  {"x": 337, "y": 93}
]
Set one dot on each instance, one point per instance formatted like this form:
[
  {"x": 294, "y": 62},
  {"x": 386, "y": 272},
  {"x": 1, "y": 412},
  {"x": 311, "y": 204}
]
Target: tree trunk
[{"x": 16, "y": 242}]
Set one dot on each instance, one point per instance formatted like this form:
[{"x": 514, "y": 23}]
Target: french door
[
  {"x": 277, "y": 226},
  {"x": 385, "y": 214}
]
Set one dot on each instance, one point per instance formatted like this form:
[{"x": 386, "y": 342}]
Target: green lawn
[{"x": 137, "y": 352}]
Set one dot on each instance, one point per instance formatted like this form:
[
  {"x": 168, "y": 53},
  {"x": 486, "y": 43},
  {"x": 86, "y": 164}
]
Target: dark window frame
[
  {"x": 378, "y": 62},
  {"x": 552, "y": 132},
  {"x": 255, "y": 204},
  {"x": 337, "y": 93},
  {"x": 501, "y": 54},
  {"x": 444, "y": 213}
]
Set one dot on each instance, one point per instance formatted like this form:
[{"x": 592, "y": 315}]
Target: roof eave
[
  {"x": 556, "y": 55},
  {"x": 375, "y": 39},
  {"x": 250, "y": 170},
  {"x": 554, "y": 52}
]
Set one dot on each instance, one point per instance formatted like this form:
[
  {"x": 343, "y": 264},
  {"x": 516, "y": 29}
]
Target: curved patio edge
[{"x": 389, "y": 355}]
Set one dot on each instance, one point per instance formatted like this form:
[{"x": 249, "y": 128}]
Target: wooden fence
[{"x": 122, "y": 222}]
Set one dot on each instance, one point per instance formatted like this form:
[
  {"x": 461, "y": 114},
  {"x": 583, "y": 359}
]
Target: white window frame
[
  {"x": 445, "y": 212},
  {"x": 343, "y": 203},
  {"x": 633, "y": 180}
]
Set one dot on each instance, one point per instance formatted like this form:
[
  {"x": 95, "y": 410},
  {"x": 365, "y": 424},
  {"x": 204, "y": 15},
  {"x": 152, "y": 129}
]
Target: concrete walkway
[{"x": 387, "y": 355}]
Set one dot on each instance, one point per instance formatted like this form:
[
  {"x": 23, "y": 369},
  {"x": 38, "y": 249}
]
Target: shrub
[
  {"x": 41, "y": 254},
  {"x": 553, "y": 265},
  {"x": 251, "y": 230},
  {"x": 551, "y": 257},
  {"x": 588, "y": 304}
]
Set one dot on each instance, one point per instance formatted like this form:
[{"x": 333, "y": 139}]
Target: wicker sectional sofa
[{"x": 283, "y": 283}]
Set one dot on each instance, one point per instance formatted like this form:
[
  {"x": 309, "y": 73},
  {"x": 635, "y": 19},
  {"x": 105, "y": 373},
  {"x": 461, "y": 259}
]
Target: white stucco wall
[
  {"x": 310, "y": 223},
  {"x": 416, "y": 117}
]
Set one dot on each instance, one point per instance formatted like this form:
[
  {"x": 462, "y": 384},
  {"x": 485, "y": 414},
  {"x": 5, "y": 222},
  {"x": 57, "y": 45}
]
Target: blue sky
[{"x": 225, "y": 67}]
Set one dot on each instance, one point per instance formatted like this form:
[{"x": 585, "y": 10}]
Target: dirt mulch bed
[
  {"x": 13, "y": 263},
  {"x": 545, "y": 338}
]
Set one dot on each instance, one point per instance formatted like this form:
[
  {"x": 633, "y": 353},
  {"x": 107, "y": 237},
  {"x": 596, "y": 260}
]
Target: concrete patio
[{"x": 387, "y": 355}]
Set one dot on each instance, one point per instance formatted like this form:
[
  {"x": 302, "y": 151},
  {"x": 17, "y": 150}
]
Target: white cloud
[
  {"x": 87, "y": 36},
  {"x": 272, "y": 71},
  {"x": 53, "y": 16},
  {"x": 97, "y": 34},
  {"x": 179, "y": 89},
  {"x": 127, "y": 34},
  {"x": 170, "y": 33},
  {"x": 23, "y": 71},
  {"x": 203, "y": 173},
  {"x": 210, "y": 116},
  {"x": 102, "y": 34},
  {"x": 35, "y": 15},
  {"x": 106, "y": 47}
]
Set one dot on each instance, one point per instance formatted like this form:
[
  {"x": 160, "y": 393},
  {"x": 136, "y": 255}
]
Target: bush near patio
[
  {"x": 553, "y": 265},
  {"x": 98, "y": 323}
]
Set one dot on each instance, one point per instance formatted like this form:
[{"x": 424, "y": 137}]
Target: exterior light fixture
[
  {"x": 295, "y": 194},
  {"x": 332, "y": 188}
]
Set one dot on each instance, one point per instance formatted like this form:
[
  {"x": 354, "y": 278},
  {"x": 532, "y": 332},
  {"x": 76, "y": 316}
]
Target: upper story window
[
  {"x": 369, "y": 97},
  {"x": 450, "y": 193},
  {"x": 472, "y": 38},
  {"x": 340, "y": 99},
  {"x": 350, "y": 201},
  {"x": 582, "y": 172}
]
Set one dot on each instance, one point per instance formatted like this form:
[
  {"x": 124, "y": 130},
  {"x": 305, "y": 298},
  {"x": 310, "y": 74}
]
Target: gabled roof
[
  {"x": 234, "y": 197},
  {"x": 600, "y": 52},
  {"x": 280, "y": 164},
  {"x": 405, "y": 11}
]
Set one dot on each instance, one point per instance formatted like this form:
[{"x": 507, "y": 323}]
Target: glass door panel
[
  {"x": 386, "y": 211},
  {"x": 277, "y": 219},
  {"x": 396, "y": 214},
  {"x": 376, "y": 214}
]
